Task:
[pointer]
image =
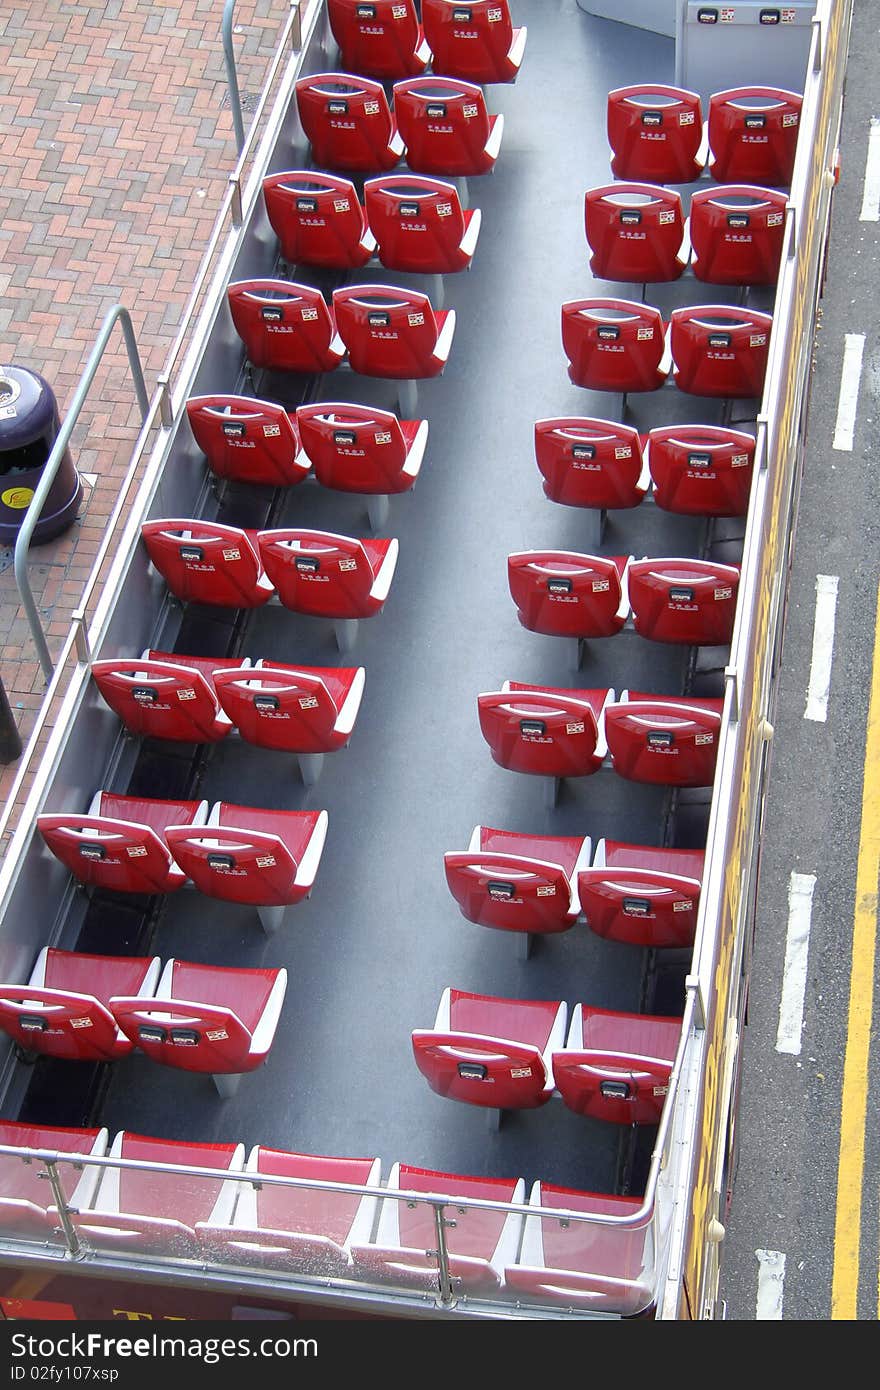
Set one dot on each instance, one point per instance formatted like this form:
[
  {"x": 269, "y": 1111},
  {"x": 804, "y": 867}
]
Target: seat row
[
  {"x": 660, "y": 134},
  {"x": 441, "y": 126},
  {"x": 376, "y": 330},
  {"x": 241, "y": 854},
  {"x": 392, "y": 39},
  {"x": 201, "y": 1018},
  {"x": 406, "y": 222},
  {"x": 340, "y": 1217},
  {"x": 538, "y": 885},
  {"x": 517, "y": 1054},
  {"x": 717, "y": 350},
  {"x": 638, "y": 233}
]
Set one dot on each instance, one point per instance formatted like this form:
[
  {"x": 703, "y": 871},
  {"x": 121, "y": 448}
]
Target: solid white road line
[
  {"x": 794, "y": 972},
  {"x": 823, "y": 647},
  {"x": 771, "y": 1284},
  {"x": 871, "y": 190},
  {"x": 848, "y": 399}
]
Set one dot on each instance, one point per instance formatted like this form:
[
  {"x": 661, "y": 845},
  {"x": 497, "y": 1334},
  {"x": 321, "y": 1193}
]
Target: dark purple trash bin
[{"x": 29, "y": 426}]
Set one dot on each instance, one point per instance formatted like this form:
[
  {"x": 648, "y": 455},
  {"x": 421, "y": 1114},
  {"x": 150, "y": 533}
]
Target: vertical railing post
[
  {"x": 10, "y": 738},
  {"x": 232, "y": 75}
]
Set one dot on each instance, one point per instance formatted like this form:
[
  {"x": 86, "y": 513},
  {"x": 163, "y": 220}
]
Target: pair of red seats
[
  {"x": 692, "y": 470},
  {"x": 538, "y": 885},
  {"x": 517, "y": 1054},
  {"x": 389, "y": 39},
  {"x": 552, "y": 732},
  {"x": 565, "y": 594},
  {"x": 441, "y": 126},
  {"x": 715, "y": 350},
  {"x": 407, "y": 221},
  {"x": 378, "y": 330},
  {"x": 91, "y": 1008},
  {"x": 638, "y": 233},
  {"x": 659, "y": 134},
  {"x": 241, "y": 854}
]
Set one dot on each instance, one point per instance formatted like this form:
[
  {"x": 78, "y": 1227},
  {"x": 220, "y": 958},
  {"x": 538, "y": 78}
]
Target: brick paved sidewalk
[{"x": 117, "y": 141}]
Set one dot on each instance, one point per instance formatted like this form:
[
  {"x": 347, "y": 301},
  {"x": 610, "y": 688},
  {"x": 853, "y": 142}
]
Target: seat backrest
[
  {"x": 642, "y": 894},
  {"x": 614, "y": 344},
  {"x": 105, "y": 849},
  {"x": 658, "y": 739},
  {"x": 25, "y": 1194},
  {"x": 683, "y": 600},
  {"x": 207, "y": 562},
  {"x": 701, "y": 470},
  {"x": 445, "y": 124},
  {"x": 321, "y": 573},
  {"x": 418, "y": 223},
  {"x": 753, "y": 135},
  {"x": 380, "y": 38},
  {"x": 284, "y": 326},
  {"x": 354, "y": 448},
  {"x": 160, "y": 699},
  {"x": 550, "y": 733},
  {"x": 719, "y": 350},
  {"x": 616, "y": 1066},
  {"x": 489, "y": 1051},
  {"x": 388, "y": 331},
  {"x": 247, "y": 440},
  {"x": 565, "y": 594},
  {"x": 655, "y": 133},
  {"x": 512, "y": 891},
  {"x": 317, "y": 218},
  {"x": 590, "y": 463},
  {"x": 736, "y": 233},
  {"x": 635, "y": 232},
  {"x": 246, "y": 854},
  {"x": 473, "y": 40},
  {"x": 292, "y": 708},
  {"x": 347, "y": 121}
]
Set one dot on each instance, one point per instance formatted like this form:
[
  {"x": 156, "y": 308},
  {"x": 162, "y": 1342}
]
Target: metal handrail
[
  {"x": 231, "y": 71},
  {"x": 120, "y": 314}
]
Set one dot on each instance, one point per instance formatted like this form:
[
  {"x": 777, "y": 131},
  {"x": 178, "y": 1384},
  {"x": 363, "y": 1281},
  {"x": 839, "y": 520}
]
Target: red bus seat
[
  {"x": 662, "y": 739},
  {"x": 564, "y": 594},
  {"x": 318, "y": 219},
  {"x": 719, "y": 350},
  {"x": 480, "y": 1242},
  {"x": 296, "y": 709},
  {"x": 130, "y": 1210},
  {"x": 476, "y": 41},
  {"x": 753, "y": 135},
  {"x": 163, "y": 695},
  {"x": 616, "y": 1066},
  {"x": 27, "y": 1211},
  {"x": 247, "y": 854},
  {"x": 446, "y": 127},
  {"x": 284, "y": 326},
  {"x": 393, "y": 332},
  {"x": 491, "y": 1052},
  {"x": 736, "y": 234},
  {"x": 545, "y": 730},
  {"x": 248, "y": 441},
  {"x": 63, "y": 1010},
  {"x": 591, "y": 463},
  {"x": 329, "y": 576},
  {"x": 307, "y": 1230},
  {"x": 359, "y": 448},
  {"x": 683, "y": 600},
  {"x": 701, "y": 470},
  {"x": 383, "y": 38},
  {"x": 207, "y": 562},
  {"x": 615, "y": 345},
  {"x": 636, "y": 233},
  {"x": 206, "y": 1018},
  {"x": 420, "y": 225},
  {"x": 121, "y": 844},
  {"x": 656, "y": 134},
  {"x": 642, "y": 895},
  {"x": 518, "y": 882},
  {"x": 348, "y": 122},
  {"x": 593, "y": 1267}
]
